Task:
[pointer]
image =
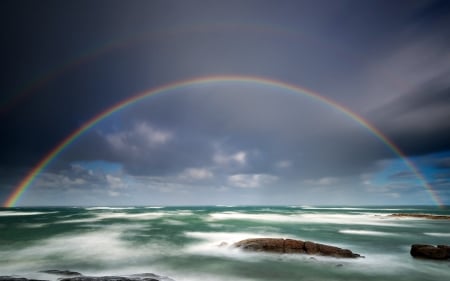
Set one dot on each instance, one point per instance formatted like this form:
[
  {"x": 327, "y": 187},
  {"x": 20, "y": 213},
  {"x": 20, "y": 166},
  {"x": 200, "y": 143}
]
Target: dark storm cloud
[
  {"x": 443, "y": 163},
  {"x": 418, "y": 122}
]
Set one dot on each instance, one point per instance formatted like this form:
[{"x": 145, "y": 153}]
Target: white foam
[
  {"x": 105, "y": 246},
  {"x": 33, "y": 225},
  {"x": 196, "y": 276},
  {"x": 138, "y": 216},
  {"x": 104, "y": 216},
  {"x": 174, "y": 222},
  {"x": 218, "y": 243},
  {"x": 181, "y": 213},
  {"x": 334, "y": 208},
  {"x": 154, "y": 207},
  {"x": 110, "y": 208},
  {"x": 16, "y": 213},
  {"x": 228, "y": 237},
  {"x": 437, "y": 234},
  {"x": 366, "y": 232},
  {"x": 353, "y": 219}
]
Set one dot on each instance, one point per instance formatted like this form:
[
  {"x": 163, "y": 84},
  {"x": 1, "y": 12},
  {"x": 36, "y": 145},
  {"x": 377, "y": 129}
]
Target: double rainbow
[{"x": 26, "y": 182}]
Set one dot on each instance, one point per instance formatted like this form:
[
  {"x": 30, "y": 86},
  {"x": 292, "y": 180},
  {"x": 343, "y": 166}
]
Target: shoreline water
[{"x": 182, "y": 241}]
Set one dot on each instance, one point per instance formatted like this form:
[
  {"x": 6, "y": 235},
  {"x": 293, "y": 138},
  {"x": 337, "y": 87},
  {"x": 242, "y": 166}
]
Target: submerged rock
[
  {"x": 133, "y": 277},
  {"x": 291, "y": 246},
  {"x": 441, "y": 252}
]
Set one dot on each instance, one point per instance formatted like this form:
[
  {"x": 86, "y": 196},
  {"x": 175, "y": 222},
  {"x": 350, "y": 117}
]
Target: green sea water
[{"x": 183, "y": 242}]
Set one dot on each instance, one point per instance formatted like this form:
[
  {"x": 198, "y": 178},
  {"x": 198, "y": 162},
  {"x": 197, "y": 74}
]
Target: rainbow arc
[{"x": 27, "y": 181}]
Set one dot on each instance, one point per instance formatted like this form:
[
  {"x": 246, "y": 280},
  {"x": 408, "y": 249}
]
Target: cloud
[
  {"x": 140, "y": 136},
  {"x": 251, "y": 180},
  {"x": 239, "y": 158},
  {"x": 418, "y": 122},
  {"x": 196, "y": 174},
  {"x": 115, "y": 182},
  {"x": 443, "y": 163},
  {"x": 396, "y": 77},
  {"x": 283, "y": 164},
  {"x": 325, "y": 181},
  {"x": 403, "y": 175}
]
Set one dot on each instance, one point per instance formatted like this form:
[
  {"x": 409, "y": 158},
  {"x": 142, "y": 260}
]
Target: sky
[{"x": 235, "y": 142}]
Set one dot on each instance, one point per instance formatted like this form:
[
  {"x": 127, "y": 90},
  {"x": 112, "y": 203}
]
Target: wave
[
  {"x": 437, "y": 234},
  {"x": 348, "y": 219},
  {"x": 333, "y": 208},
  {"x": 105, "y": 246},
  {"x": 17, "y": 213},
  {"x": 366, "y": 232},
  {"x": 105, "y": 216},
  {"x": 174, "y": 222},
  {"x": 110, "y": 208}
]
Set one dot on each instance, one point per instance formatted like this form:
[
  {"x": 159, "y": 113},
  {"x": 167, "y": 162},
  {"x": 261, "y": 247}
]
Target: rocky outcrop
[
  {"x": 134, "y": 277},
  {"x": 421, "y": 216},
  {"x": 15, "y": 278},
  {"x": 291, "y": 246},
  {"x": 62, "y": 272},
  {"x": 441, "y": 252}
]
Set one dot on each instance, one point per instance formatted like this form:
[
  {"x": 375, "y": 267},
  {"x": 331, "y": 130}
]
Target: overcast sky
[{"x": 63, "y": 62}]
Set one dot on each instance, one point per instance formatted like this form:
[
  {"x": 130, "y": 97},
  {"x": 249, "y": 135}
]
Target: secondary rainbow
[{"x": 26, "y": 182}]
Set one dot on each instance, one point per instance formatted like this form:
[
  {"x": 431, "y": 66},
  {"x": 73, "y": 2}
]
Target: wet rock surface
[
  {"x": 291, "y": 246},
  {"x": 440, "y": 252}
]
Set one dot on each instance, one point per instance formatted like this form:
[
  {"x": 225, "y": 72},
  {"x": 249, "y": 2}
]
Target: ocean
[{"x": 183, "y": 242}]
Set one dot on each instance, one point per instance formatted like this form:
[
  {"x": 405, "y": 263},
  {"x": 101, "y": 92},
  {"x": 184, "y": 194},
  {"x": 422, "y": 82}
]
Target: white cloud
[
  {"x": 239, "y": 158},
  {"x": 196, "y": 174},
  {"x": 115, "y": 182},
  {"x": 251, "y": 180},
  {"x": 152, "y": 135},
  {"x": 113, "y": 193},
  {"x": 283, "y": 164},
  {"x": 140, "y": 135},
  {"x": 325, "y": 181}
]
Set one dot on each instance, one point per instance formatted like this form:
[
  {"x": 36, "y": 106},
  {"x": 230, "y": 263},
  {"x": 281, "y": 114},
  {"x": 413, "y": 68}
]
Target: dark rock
[
  {"x": 14, "y": 278},
  {"x": 440, "y": 252},
  {"x": 421, "y": 216},
  {"x": 290, "y": 246},
  {"x": 62, "y": 272},
  {"x": 262, "y": 245},
  {"x": 311, "y": 248},
  {"x": 294, "y": 246},
  {"x": 446, "y": 248}
]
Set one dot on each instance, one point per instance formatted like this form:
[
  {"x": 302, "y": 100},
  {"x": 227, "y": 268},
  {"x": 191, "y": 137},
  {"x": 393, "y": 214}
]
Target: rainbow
[{"x": 26, "y": 182}]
